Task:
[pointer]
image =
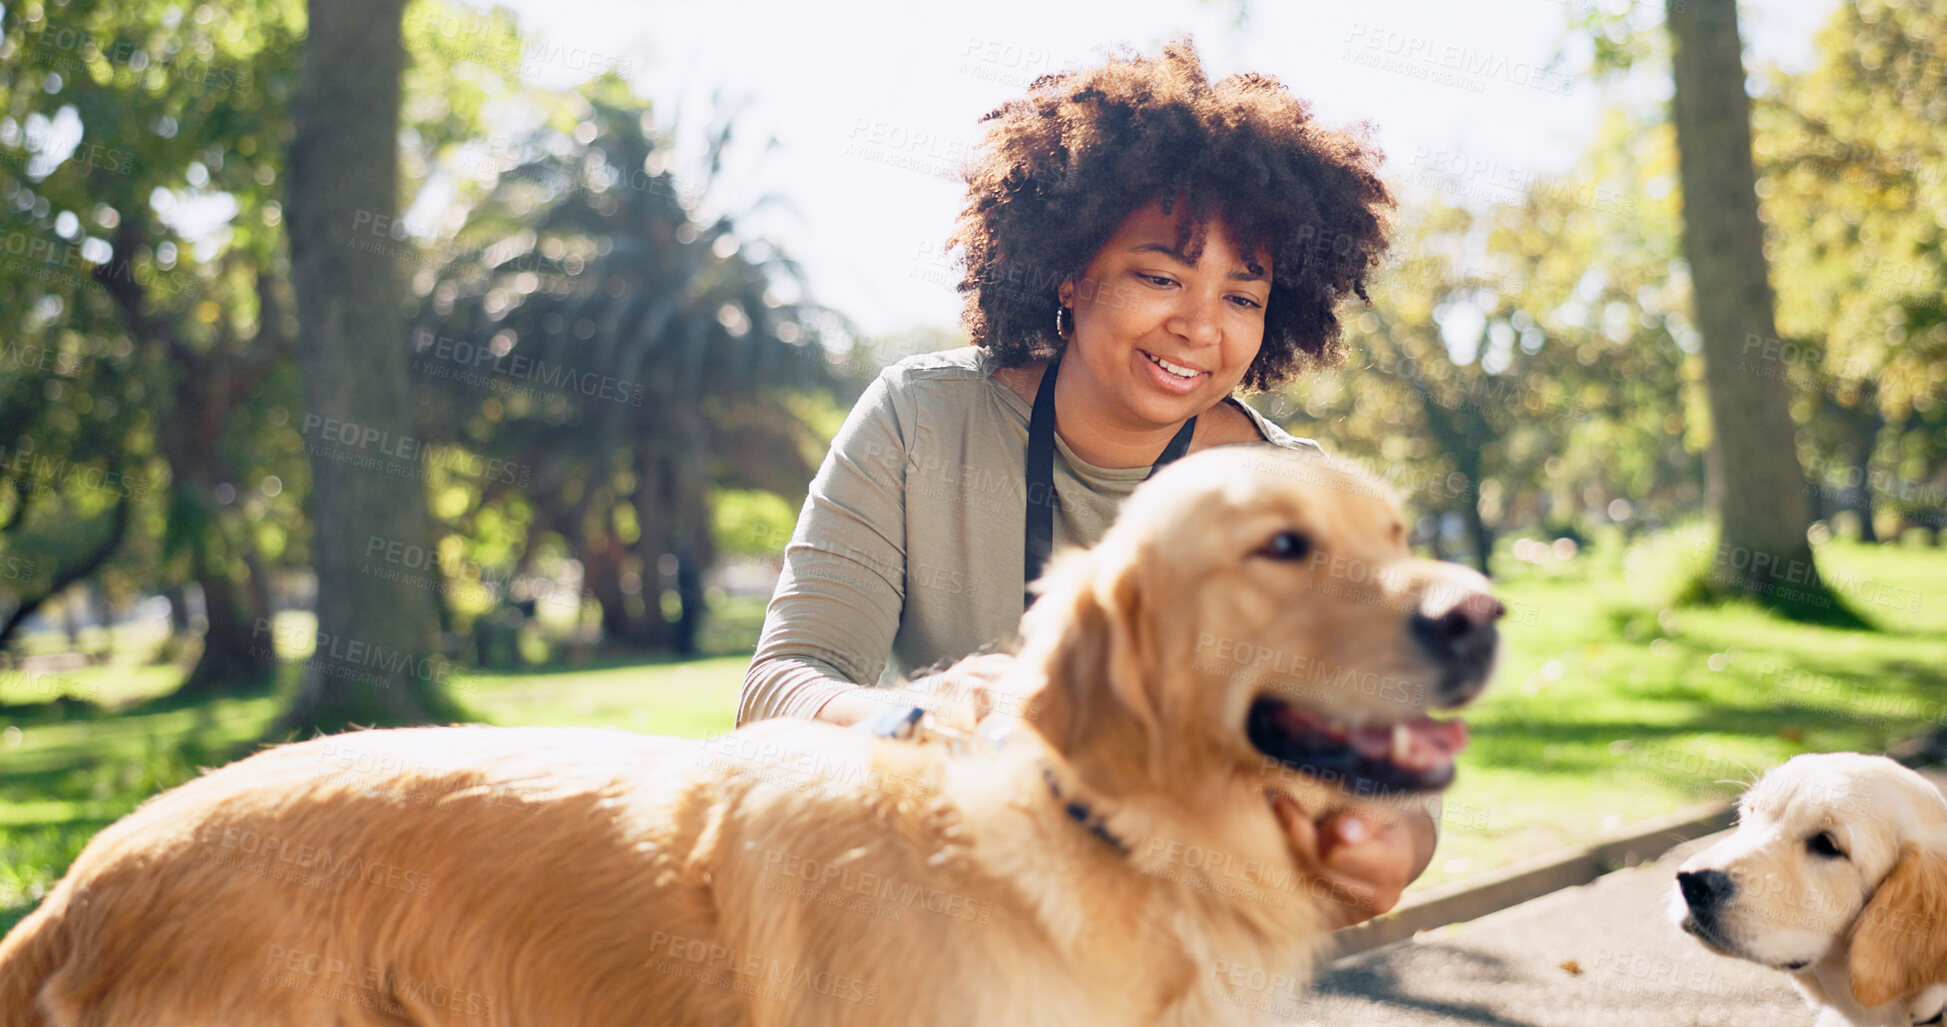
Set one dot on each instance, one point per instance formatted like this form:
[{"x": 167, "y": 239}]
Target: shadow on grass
[
  {"x": 284, "y": 681},
  {"x": 1700, "y": 706},
  {"x": 1814, "y": 603}
]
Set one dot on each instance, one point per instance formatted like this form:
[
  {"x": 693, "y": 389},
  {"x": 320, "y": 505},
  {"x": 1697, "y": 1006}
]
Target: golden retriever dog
[
  {"x": 1253, "y": 620},
  {"x": 1836, "y": 874}
]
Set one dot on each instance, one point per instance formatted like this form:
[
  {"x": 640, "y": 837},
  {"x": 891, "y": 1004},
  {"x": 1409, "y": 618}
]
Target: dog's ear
[
  {"x": 1899, "y": 943},
  {"x": 1085, "y": 633}
]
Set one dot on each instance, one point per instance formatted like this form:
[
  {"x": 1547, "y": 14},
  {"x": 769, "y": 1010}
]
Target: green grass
[
  {"x": 1609, "y": 707},
  {"x": 694, "y": 699},
  {"x": 67, "y": 771}
]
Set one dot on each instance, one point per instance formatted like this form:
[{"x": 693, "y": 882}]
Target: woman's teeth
[{"x": 1176, "y": 369}]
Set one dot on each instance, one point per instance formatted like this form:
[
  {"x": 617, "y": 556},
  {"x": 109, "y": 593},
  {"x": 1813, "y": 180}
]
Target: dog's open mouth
[{"x": 1407, "y": 756}]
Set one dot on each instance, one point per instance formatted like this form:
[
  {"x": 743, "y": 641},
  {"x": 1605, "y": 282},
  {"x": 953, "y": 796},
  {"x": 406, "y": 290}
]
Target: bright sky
[{"x": 874, "y": 102}]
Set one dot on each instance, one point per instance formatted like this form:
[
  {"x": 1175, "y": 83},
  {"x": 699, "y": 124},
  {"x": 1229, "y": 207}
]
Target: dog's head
[
  {"x": 1834, "y": 856},
  {"x": 1257, "y": 609}
]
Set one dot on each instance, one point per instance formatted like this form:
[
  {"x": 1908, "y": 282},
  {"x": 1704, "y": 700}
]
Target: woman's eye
[
  {"x": 1246, "y": 302},
  {"x": 1287, "y": 545},
  {"x": 1158, "y": 280},
  {"x": 1822, "y": 844}
]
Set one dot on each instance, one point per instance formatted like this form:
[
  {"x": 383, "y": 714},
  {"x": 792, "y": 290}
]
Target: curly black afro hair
[{"x": 1061, "y": 169}]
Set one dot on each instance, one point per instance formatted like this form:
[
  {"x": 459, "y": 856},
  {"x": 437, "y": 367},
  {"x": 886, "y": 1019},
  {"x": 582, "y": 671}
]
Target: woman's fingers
[
  {"x": 1377, "y": 852},
  {"x": 1364, "y": 858}
]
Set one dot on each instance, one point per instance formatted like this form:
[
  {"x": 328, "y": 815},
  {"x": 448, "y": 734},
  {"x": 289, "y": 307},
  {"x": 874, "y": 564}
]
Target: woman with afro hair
[{"x": 1162, "y": 242}]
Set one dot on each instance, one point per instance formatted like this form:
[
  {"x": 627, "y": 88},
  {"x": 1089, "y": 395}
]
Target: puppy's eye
[
  {"x": 1823, "y": 845},
  {"x": 1287, "y": 545}
]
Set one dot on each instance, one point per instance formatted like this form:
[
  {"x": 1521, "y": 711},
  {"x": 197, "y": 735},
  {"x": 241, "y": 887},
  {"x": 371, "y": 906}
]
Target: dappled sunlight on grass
[
  {"x": 1610, "y": 707},
  {"x": 67, "y": 771}
]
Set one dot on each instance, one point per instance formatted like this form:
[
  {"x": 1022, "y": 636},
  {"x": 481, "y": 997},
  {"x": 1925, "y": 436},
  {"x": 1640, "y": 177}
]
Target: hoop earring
[{"x": 1060, "y": 332}]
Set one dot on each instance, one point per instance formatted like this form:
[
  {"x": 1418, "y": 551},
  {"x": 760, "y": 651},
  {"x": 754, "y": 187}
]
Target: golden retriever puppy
[
  {"x": 1252, "y": 620},
  {"x": 1837, "y": 875}
]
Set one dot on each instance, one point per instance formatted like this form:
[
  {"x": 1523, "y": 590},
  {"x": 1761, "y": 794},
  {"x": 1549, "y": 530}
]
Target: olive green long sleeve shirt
[{"x": 908, "y": 552}]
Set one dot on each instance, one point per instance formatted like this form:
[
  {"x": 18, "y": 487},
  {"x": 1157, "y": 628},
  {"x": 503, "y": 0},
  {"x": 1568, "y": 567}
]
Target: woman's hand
[
  {"x": 849, "y": 707},
  {"x": 1366, "y": 853},
  {"x": 958, "y": 696}
]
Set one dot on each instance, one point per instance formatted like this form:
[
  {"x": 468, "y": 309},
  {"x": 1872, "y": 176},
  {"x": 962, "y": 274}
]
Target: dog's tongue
[
  {"x": 1422, "y": 742},
  {"x": 1412, "y": 756}
]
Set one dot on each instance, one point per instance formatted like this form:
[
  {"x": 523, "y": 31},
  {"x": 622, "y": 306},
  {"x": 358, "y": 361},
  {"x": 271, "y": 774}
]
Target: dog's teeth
[{"x": 1402, "y": 743}]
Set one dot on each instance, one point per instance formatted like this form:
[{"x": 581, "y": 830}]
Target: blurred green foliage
[
  {"x": 1531, "y": 363},
  {"x": 617, "y": 387}
]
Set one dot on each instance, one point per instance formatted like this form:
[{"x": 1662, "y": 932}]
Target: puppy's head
[
  {"x": 1830, "y": 850},
  {"x": 1257, "y": 609}
]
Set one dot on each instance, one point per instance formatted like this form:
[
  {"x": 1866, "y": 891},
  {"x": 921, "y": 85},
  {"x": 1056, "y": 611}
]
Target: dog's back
[
  {"x": 292, "y": 867},
  {"x": 29, "y": 955}
]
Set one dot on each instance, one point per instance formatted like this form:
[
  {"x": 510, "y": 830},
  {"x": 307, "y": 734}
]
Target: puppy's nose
[
  {"x": 1463, "y": 634},
  {"x": 1704, "y": 890}
]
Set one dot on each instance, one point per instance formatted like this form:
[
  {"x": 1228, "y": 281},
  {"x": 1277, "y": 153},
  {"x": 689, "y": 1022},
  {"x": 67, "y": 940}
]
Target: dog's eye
[
  {"x": 1287, "y": 545},
  {"x": 1822, "y": 844}
]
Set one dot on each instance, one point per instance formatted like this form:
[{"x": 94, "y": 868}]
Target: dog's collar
[
  {"x": 1084, "y": 814},
  {"x": 914, "y": 724}
]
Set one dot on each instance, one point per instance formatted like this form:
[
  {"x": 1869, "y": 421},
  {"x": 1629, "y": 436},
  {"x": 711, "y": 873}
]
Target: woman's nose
[{"x": 1195, "y": 319}]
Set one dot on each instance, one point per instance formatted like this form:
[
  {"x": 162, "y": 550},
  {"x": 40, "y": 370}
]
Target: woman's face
[{"x": 1161, "y": 338}]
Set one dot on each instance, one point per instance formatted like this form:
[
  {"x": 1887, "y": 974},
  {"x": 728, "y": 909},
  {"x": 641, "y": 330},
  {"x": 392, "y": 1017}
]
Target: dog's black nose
[
  {"x": 1463, "y": 638},
  {"x": 1705, "y": 889}
]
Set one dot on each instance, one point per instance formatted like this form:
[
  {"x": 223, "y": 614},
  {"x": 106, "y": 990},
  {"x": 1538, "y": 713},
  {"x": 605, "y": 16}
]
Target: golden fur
[
  {"x": 1838, "y": 875},
  {"x": 795, "y": 872}
]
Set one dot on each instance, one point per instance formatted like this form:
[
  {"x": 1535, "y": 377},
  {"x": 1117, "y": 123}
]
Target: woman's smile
[
  {"x": 1162, "y": 331},
  {"x": 1171, "y": 376}
]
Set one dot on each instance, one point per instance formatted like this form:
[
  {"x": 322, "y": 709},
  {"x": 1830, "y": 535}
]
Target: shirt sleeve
[{"x": 831, "y": 621}]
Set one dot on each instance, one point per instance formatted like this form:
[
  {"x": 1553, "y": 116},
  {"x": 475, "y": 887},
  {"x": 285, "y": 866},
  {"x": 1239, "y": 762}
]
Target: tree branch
[
  {"x": 129, "y": 295},
  {"x": 65, "y": 577}
]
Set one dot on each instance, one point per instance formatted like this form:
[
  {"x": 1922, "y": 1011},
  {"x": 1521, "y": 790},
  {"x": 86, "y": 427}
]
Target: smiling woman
[
  {"x": 1160, "y": 337},
  {"x": 1139, "y": 245}
]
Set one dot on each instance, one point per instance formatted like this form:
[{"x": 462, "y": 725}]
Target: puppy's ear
[
  {"x": 1085, "y": 634},
  {"x": 1899, "y": 943}
]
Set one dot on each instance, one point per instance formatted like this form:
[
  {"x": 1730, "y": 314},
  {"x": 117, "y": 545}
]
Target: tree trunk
[
  {"x": 238, "y": 657},
  {"x": 378, "y": 659},
  {"x": 1461, "y": 433},
  {"x": 1478, "y": 532},
  {"x": 1756, "y": 486},
  {"x": 692, "y": 542},
  {"x": 1436, "y": 542},
  {"x": 655, "y": 518},
  {"x": 605, "y": 562},
  {"x": 1863, "y": 422}
]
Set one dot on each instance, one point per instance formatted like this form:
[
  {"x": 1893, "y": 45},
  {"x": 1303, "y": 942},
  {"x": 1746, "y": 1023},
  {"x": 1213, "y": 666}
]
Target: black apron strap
[
  {"x": 1039, "y": 532},
  {"x": 1038, "y": 536},
  {"x": 1179, "y": 445}
]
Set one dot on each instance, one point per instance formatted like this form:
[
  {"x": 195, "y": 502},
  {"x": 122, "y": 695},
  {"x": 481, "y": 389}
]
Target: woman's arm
[{"x": 831, "y": 621}]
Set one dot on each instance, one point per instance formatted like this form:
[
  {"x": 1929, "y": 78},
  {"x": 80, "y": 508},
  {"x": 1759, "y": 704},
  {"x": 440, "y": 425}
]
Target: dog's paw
[{"x": 1928, "y": 1007}]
